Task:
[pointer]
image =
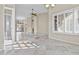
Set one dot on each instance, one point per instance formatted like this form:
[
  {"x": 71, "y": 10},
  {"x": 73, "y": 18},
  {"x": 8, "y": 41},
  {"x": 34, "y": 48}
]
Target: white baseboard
[
  {"x": 42, "y": 34},
  {"x": 74, "y": 43}
]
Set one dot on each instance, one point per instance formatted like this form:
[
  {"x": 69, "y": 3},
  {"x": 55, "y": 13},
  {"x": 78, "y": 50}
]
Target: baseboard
[
  {"x": 42, "y": 34},
  {"x": 74, "y": 43}
]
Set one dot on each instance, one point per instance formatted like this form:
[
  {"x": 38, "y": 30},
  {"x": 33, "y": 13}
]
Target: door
[{"x": 9, "y": 27}]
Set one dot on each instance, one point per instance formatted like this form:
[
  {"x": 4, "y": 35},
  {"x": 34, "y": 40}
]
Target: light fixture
[
  {"x": 52, "y": 5},
  {"x": 33, "y": 13},
  {"x": 46, "y": 5},
  {"x": 49, "y": 5}
]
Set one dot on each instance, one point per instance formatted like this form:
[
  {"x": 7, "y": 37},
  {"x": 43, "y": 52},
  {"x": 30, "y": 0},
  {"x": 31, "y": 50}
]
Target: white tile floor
[
  {"x": 22, "y": 45},
  {"x": 46, "y": 47}
]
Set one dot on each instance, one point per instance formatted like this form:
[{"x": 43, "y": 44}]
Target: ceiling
[{"x": 24, "y": 10}]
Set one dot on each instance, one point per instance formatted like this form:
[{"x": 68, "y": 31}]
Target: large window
[
  {"x": 76, "y": 20},
  {"x": 61, "y": 22},
  {"x": 64, "y": 21},
  {"x": 69, "y": 25}
]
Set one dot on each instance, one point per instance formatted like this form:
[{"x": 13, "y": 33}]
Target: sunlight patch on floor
[{"x": 23, "y": 45}]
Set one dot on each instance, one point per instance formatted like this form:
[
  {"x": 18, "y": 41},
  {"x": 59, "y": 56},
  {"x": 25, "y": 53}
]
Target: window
[
  {"x": 76, "y": 20},
  {"x": 63, "y": 21},
  {"x": 55, "y": 23},
  {"x": 78, "y": 16},
  {"x": 69, "y": 22},
  {"x": 59, "y": 22}
]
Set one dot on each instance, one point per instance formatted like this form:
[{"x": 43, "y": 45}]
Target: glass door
[
  {"x": 9, "y": 27},
  {"x": 8, "y": 19}
]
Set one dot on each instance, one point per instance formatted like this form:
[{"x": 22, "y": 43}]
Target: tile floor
[
  {"x": 24, "y": 45},
  {"x": 46, "y": 47}
]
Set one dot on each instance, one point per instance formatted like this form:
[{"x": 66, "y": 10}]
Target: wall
[
  {"x": 1, "y": 27},
  {"x": 70, "y": 38},
  {"x": 61, "y": 7},
  {"x": 42, "y": 24}
]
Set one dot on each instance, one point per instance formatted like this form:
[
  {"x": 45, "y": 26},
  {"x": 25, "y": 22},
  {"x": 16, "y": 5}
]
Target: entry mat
[{"x": 23, "y": 45}]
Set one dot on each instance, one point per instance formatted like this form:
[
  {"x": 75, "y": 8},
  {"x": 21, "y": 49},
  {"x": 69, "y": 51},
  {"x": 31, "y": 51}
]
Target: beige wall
[
  {"x": 42, "y": 24},
  {"x": 61, "y": 7},
  {"x": 70, "y": 38},
  {"x": 1, "y": 27}
]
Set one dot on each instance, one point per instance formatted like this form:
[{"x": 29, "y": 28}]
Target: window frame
[
  {"x": 75, "y": 19},
  {"x": 59, "y": 13}
]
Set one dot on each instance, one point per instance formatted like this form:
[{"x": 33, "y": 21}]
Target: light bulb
[
  {"x": 47, "y": 5},
  {"x": 52, "y": 5}
]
